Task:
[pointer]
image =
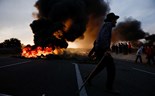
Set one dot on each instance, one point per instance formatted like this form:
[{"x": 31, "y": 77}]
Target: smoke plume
[
  {"x": 60, "y": 21},
  {"x": 128, "y": 30}
]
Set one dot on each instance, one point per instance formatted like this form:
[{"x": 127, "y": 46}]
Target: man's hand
[{"x": 107, "y": 53}]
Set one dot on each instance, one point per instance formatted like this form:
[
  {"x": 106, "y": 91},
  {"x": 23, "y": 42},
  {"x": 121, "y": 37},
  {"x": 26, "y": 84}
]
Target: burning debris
[
  {"x": 37, "y": 51},
  {"x": 48, "y": 53},
  {"x": 62, "y": 21},
  {"x": 129, "y": 30}
]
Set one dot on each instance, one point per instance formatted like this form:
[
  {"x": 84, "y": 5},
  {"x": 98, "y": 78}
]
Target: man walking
[
  {"x": 102, "y": 48},
  {"x": 138, "y": 54}
]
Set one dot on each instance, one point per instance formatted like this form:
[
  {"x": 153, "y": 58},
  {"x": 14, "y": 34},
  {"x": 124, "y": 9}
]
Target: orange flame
[{"x": 29, "y": 52}]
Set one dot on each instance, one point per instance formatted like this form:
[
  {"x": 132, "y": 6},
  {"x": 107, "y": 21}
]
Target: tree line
[{"x": 11, "y": 43}]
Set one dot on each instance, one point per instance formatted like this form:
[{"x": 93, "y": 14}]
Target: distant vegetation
[{"x": 10, "y": 46}]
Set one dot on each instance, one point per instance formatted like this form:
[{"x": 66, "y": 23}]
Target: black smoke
[
  {"x": 128, "y": 30},
  {"x": 52, "y": 15}
]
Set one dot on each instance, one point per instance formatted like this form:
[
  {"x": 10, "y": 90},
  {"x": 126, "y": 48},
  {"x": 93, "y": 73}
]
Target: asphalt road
[
  {"x": 131, "y": 80},
  {"x": 37, "y": 77},
  {"x": 28, "y": 77}
]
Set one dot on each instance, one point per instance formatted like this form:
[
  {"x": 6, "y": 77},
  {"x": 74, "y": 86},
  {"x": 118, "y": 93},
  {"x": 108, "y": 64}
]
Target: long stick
[{"x": 90, "y": 74}]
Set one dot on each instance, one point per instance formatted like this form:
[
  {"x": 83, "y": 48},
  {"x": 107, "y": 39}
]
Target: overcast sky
[
  {"x": 142, "y": 10},
  {"x": 16, "y": 15}
]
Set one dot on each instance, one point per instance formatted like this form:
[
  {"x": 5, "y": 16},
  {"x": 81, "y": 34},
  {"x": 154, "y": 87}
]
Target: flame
[
  {"x": 72, "y": 45},
  {"x": 29, "y": 52}
]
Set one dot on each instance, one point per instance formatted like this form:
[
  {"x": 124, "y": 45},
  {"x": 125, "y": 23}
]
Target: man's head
[{"x": 111, "y": 17}]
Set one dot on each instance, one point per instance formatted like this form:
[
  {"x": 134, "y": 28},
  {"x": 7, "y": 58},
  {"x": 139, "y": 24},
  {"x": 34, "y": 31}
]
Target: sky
[{"x": 16, "y": 16}]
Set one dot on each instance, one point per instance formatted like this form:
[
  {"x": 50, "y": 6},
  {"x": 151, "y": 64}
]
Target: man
[
  {"x": 139, "y": 53},
  {"x": 102, "y": 48}
]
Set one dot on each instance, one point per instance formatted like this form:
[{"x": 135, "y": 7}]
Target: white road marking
[
  {"x": 80, "y": 81},
  {"x": 14, "y": 64},
  {"x": 144, "y": 71}
]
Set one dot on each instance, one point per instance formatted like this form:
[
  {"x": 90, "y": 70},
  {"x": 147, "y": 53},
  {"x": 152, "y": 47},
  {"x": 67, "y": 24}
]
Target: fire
[
  {"x": 29, "y": 52},
  {"x": 72, "y": 45},
  {"x": 34, "y": 52}
]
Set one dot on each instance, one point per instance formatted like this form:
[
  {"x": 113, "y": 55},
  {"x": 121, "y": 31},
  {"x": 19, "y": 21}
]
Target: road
[{"x": 55, "y": 77}]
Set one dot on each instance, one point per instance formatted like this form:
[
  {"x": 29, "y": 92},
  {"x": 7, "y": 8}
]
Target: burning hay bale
[
  {"x": 39, "y": 52},
  {"x": 49, "y": 53}
]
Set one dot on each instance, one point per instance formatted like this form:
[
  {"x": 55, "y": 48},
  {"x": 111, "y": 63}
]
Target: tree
[
  {"x": 12, "y": 43},
  {"x": 1, "y": 45}
]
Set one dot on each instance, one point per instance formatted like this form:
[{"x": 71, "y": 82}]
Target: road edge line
[
  {"x": 14, "y": 64},
  {"x": 144, "y": 71}
]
